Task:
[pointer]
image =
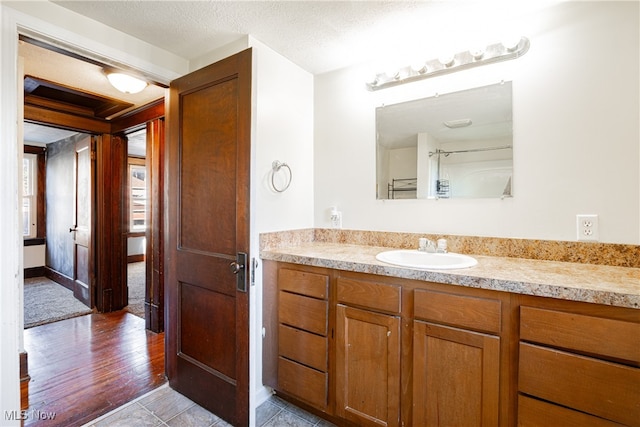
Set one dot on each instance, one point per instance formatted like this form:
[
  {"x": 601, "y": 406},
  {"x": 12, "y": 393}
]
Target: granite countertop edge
[{"x": 615, "y": 286}]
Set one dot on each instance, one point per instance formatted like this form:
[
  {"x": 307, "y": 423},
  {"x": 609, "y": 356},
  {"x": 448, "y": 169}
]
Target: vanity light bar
[{"x": 460, "y": 61}]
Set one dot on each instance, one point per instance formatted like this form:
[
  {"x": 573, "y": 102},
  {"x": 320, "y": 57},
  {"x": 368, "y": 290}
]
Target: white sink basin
[{"x": 431, "y": 261}]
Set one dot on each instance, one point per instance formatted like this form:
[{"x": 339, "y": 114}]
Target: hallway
[{"x": 85, "y": 367}]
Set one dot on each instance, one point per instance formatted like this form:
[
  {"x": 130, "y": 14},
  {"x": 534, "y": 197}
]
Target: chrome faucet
[
  {"x": 426, "y": 245},
  {"x": 442, "y": 246}
]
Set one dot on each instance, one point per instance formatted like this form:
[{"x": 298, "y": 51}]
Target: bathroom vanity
[{"x": 507, "y": 342}]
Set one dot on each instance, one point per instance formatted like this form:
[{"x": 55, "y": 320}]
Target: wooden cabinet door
[
  {"x": 455, "y": 377},
  {"x": 367, "y": 367}
]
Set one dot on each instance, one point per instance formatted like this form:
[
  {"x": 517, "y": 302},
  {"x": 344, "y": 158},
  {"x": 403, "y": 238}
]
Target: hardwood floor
[{"x": 84, "y": 367}]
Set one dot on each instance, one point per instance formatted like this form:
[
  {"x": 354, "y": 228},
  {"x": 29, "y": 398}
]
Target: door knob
[
  {"x": 235, "y": 267},
  {"x": 72, "y": 229}
]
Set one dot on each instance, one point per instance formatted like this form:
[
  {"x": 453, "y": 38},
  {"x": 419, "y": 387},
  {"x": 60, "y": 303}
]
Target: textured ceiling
[{"x": 319, "y": 36}]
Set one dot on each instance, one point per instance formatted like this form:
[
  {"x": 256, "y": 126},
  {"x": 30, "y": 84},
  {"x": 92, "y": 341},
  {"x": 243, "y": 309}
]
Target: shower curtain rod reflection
[{"x": 473, "y": 150}]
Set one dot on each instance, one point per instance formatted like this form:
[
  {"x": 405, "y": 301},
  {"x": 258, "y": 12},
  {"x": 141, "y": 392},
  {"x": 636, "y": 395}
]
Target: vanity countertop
[{"x": 615, "y": 286}]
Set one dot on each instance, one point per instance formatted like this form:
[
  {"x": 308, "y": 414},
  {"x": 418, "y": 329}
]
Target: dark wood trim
[
  {"x": 24, "y": 367},
  {"x": 41, "y": 224},
  {"x": 111, "y": 242},
  {"x": 59, "y": 278},
  {"x": 42, "y": 189},
  {"x": 37, "y": 241},
  {"x": 34, "y": 149},
  {"x": 140, "y": 161},
  {"x": 152, "y": 111},
  {"x": 136, "y": 234},
  {"x": 66, "y": 120},
  {"x": 34, "y": 272},
  {"x": 154, "y": 289},
  {"x": 135, "y": 258},
  {"x": 50, "y": 104}
]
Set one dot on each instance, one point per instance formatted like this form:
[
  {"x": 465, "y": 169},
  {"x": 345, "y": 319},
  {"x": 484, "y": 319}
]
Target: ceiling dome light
[
  {"x": 460, "y": 123},
  {"x": 126, "y": 83}
]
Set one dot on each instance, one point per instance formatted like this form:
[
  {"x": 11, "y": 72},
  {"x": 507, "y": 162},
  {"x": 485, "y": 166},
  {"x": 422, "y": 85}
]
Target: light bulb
[
  {"x": 419, "y": 67},
  {"x": 477, "y": 52},
  {"x": 511, "y": 43},
  {"x": 447, "y": 60}
]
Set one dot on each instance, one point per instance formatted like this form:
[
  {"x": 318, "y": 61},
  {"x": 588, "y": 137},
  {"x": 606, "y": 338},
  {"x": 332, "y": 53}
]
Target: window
[
  {"x": 137, "y": 197},
  {"x": 29, "y": 195}
]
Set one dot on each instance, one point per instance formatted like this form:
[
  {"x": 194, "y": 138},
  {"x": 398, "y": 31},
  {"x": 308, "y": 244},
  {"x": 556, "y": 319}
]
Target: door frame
[
  {"x": 159, "y": 64},
  {"x": 152, "y": 119}
]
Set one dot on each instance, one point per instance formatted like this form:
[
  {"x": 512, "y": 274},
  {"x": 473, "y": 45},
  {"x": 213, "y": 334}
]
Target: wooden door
[
  {"x": 82, "y": 228},
  {"x": 208, "y": 231},
  {"x": 367, "y": 367},
  {"x": 455, "y": 377}
]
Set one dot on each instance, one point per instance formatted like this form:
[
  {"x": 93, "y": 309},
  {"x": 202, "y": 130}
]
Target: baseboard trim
[
  {"x": 135, "y": 258},
  {"x": 34, "y": 272},
  {"x": 262, "y": 395},
  {"x": 154, "y": 317},
  {"x": 24, "y": 367},
  {"x": 60, "y": 278}
]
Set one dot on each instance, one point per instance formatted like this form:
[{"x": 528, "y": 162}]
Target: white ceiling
[{"x": 319, "y": 36}]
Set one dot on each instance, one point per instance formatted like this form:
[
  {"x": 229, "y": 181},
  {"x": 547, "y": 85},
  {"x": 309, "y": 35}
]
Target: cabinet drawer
[
  {"x": 302, "y": 382},
  {"x": 480, "y": 314},
  {"x": 604, "y": 389},
  {"x": 302, "y": 312},
  {"x": 378, "y": 296},
  {"x": 303, "y": 347},
  {"x": 535, "y": 413},
  {"x": 615, "y": 339},
  {"x": 301, "y": 282}
]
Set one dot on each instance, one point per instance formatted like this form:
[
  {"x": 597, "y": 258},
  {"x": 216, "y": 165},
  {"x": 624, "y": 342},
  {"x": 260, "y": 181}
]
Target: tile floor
[{"x": 164, "y": 407}]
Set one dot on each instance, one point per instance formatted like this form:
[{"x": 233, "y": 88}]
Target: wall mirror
[{"x": 455, "y": 145}]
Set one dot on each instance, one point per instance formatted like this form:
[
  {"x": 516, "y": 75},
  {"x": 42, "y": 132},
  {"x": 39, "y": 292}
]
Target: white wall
[
  {"x": 136, "y": 245},
  {"x": 282, "y": 130},
  {"x": 576, "y": 135},
  {"x": 34, "y": 256}
]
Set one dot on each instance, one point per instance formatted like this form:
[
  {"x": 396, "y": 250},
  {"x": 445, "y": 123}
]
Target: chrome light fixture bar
[{"x": 460, "y": 61}]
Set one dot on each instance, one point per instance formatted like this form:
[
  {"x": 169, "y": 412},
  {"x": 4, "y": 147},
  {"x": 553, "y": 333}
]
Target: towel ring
[{"x": 275, "y": 167}]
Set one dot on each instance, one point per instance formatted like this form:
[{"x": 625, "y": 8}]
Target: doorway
[
  {"x": 136, "y": 219},
  {"x": 57, "y": 210}
]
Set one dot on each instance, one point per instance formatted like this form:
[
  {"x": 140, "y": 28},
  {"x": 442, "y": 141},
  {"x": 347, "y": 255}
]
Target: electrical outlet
[{"x": 587, "y": 228}]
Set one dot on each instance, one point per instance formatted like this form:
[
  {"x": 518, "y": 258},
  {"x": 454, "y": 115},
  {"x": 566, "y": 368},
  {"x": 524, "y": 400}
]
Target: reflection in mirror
[{"x": 448, "y": 146}]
